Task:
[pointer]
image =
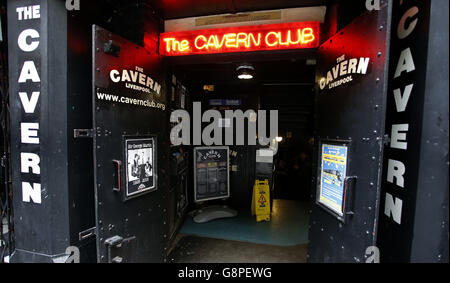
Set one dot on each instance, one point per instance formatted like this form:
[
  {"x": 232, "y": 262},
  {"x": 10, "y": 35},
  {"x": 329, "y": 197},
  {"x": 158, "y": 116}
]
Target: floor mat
[{"x": 288, "y": 226}]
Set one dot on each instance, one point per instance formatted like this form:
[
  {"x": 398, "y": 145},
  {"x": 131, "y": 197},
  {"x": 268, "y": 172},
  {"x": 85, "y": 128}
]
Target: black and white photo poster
[{"x": 140, "y": 165}]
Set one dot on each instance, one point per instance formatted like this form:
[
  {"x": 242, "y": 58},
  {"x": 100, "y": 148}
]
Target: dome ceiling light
[{"x": 245, "y": 72}]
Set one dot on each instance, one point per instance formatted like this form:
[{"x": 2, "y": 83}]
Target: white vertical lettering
[
  {"x": 398, "y": 137},
  {"x": 393, "y": 208},
  {"x": 31, "y": 192},
  {"x": 29, "y": 133},
  {"x": 396, "y": 169}
]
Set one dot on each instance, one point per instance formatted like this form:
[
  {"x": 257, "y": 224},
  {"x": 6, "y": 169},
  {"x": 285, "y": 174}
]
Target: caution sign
[{"x": 261, "y": 200}]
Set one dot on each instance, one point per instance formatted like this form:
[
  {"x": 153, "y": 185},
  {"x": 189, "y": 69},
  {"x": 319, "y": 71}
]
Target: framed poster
[
  {"x": 141, "y": 166},
  {"x": 211, "y": 173},
  {"x": 333, "y": 168}
]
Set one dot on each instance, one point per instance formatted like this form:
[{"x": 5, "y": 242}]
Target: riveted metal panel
[
  {"x": 350, "y": 103},
  {"x": 128, "y": 107}
]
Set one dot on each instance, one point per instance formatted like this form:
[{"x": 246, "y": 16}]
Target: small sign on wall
[
  {"x": 140, "y": 169},
  {"x": 211, "y": 173},
  {"x": 332, "y": 177}
]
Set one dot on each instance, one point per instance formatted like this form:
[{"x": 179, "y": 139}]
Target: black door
[
  {"x": 349, "y": 131},
  {"x": 130, "y": 150}
]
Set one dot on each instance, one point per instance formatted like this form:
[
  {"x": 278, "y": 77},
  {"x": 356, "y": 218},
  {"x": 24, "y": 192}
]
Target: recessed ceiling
[
  {"x": 176, "y": 9},
  {"x": 268, "y": 73}
]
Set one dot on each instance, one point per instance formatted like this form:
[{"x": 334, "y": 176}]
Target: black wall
[
  {"x": 419, "y": 232},
  {"x": 431, "y": 233},
  {"x": 41, "y": 230},
  {"x": 64, "y": 63}
]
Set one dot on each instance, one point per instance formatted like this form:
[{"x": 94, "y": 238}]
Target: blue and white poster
[{"x": 333, "y": 173}]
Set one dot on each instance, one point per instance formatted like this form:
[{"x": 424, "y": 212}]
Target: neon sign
[{"x": 241, "y": 39}]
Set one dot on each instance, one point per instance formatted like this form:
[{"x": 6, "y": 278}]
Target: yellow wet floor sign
[{"x": 261, "y": 200}]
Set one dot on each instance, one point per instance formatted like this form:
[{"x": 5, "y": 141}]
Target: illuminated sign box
[{"x": 298, "y": 35}]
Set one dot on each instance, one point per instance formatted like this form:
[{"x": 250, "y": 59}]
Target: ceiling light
[
  {"x": 245, "y": 72},
  {"x": 245, "y": 76}
]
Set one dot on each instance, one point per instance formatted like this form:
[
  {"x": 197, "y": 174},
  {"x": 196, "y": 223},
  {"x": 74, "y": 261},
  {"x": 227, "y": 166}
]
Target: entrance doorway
[
  {"x": 93, "y": 167},
  {"x": 339, "y": 222},
  {"x": 285, "y": 85},
  {"x": 348, "y": 114}
]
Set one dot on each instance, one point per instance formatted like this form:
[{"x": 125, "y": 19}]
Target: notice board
[
  {"x": 332, "y": 175},
  {"x": 211, "y": 173}
]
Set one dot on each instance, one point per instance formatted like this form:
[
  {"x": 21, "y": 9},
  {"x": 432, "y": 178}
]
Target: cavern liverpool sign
[{"x": 298, "y": 35}]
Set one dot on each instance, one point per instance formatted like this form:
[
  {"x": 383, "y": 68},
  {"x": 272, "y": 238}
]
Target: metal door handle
[
  {"x": 348, "y": 193},
  {"x": 117, "y": 186},
  {"x": 116, "y": 242}
]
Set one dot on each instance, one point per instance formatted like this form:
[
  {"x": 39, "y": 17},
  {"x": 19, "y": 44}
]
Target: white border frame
[
  {"x": 341, "y": 213},
  {"x": 150, "y": 189}
]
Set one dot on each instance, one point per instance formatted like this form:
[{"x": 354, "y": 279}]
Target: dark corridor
[{"x": 284, "y": 85}]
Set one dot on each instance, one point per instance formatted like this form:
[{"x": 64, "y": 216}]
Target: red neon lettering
[
  {"x": 175, "y": 45},
  {"x": 308, "y": 35},
  {"x": 196, "y": 42},
  {"x": 256, "y": 43},
  {"x": 230, "y": 40},
  {"x": 221, "y": 42},
  {"x": 286, "y": 43},
  {"x": 184, "y": 45},
  {"x": 242, "y": 38},
  {"x": 299, "y": 37},
  {"x": 211, "y": 42},
  {"x": 264, "y": 37},
  {"x": 267, "y": 38},
  {"x": 168, "y": 41}
]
